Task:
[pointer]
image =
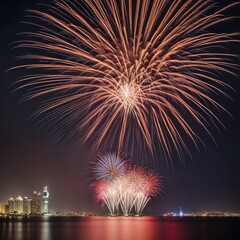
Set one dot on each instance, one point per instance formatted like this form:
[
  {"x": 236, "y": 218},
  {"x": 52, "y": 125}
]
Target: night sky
[{"x": 29, "y": 159}]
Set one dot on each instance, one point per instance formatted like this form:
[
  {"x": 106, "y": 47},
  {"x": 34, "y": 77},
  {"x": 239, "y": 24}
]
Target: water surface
[{"x": 120, "y": 228}]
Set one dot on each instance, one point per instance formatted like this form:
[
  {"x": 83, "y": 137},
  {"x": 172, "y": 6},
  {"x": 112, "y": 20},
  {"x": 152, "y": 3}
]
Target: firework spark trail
[
  {"x": 135, "y": 179},
  {"x": 128, "y": 192},
  {"x": 152, "y": 186},
  {"x": 107, "y": 168},
  {"x": 121, "y": 71},
  {"x": 103, "y": 192}
]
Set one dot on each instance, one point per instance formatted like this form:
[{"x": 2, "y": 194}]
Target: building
[
  {"x": 2, "y": 208},
  {"x": 45, "y": 200},
  {"x": 6, "y": 208},
  {"x": 11, "y": 205},
  {"x": 36, "y": 203},
  {"x": 18, "y": 205},
  {"x": 26, "y": 205}
]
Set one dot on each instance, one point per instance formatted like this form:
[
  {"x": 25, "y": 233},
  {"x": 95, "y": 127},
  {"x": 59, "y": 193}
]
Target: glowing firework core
[{"x": 128, "y": 95}]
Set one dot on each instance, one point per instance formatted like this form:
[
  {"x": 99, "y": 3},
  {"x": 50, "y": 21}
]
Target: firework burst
[
  {"x": 104, "y": 191},
  {"x": 109, "y": 166},
  {"x": 118, "y": 71},
  {"x": 127, "y": 193}
]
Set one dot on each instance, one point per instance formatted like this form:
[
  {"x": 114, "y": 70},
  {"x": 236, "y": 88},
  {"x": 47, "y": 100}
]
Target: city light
[{"x": 27, "y": 206}]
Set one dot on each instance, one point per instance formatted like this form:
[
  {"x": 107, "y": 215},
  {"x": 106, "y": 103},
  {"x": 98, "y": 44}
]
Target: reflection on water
[{"x": 120, "y": 228}]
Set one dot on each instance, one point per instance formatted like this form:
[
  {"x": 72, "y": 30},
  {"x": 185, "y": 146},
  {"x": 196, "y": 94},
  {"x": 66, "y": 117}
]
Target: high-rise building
[
  {"x": 45, "y": 200},
  {"x": 2, "y": 208},
  {"x": 6, "y": 208},
  {"x": 36, "y": 203},
  {"x": 33, "y": 207},
  {"x": 11, "y": 205},
  {"x": 26, "y": 205},
  {"x": 18, "y": 205}
]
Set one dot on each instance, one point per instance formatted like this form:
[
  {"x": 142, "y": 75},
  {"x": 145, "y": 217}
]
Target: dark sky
[{"x": 29, "y": 160}]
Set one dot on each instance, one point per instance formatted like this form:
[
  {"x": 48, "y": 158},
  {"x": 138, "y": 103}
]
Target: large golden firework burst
[{"x": 129, "y": 73}]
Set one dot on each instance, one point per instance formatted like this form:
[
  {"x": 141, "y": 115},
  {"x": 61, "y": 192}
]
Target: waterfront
[{"x": 119, "y": 228}]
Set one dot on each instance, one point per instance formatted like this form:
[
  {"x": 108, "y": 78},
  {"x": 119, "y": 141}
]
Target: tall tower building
[
  {"x": 6, "y": 208},
  {"x": 180, "y": 212},
  {"x": 11, "y": 205},
  {"x": 39, "y": 203},
  {"x": 45, "y": 200},
  {"x": 33, "y": 203},
  {"x": 18, "y": 206},
  {"x": 26, "y": 205},
  {"x": 36, "y": 203}
]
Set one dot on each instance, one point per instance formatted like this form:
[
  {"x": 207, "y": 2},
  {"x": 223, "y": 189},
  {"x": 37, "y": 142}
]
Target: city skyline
[
  {"x": 208, "y": 181},
  {"x": 36, "y": 205}
]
